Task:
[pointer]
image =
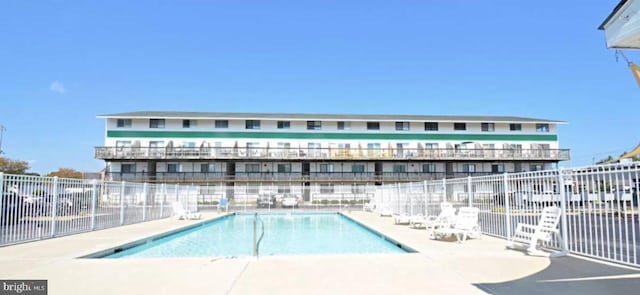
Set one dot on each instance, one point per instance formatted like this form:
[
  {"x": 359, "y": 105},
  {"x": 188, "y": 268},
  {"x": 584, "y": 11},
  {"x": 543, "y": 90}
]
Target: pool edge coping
[{"x": 101, "y": 254}]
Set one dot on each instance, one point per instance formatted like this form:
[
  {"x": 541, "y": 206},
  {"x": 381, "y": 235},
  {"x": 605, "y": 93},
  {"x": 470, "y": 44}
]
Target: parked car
[
  {"x": 290, "y": 200},
  {"x": 13, "y": 208},
  {"x": 266, "y": 201}
]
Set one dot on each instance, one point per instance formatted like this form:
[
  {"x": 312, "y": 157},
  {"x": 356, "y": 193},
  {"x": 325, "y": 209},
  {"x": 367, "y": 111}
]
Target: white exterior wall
[{"x": 327, "y": 126}]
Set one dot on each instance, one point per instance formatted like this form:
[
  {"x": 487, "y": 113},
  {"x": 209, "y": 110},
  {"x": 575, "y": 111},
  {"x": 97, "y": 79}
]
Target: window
[
  {"x": 469, "y": 168},
  {"x": 429, "y": 168},
  {"x": 284, "y": 146},
  {"x": 284, "y": 168},
  {"x": 399, "y": 168},
  {"x": 173, "y": 168},
  {"x": 542, "y": 127},
  {"x": 284, "y": 124},
  {"x": 373, "y": 125},
  {"x": 208, "y": 190},
  {"x": 497, "y": 168},
  {"x": 357, "y": 168},
  {"x": 252, "y": 124},
  {"x": 460, "y": 126},
  {"x": 373, "y": 146},
  {"x": 252, "y": 168},
  {"x": 128, "y": 168},
  {"x": 431, "y": 126},
  {"x": 326, "y": 188},
  {"x": 430, "y": 146},
  {"x": 344, "y": 125},
  {"x": 358, "y": 188},
  {"x": 314, "y": 125},
  {"x": 284, "y": 189},
  {"x": 253, "y": 189},
  {"x": 222, "y": 124},
  {"x": 156, "y": 123},
  {"x": 123, "y": 123},
  {"x": 402, "y": 126},
  {"x": 253, "y": 148},
  {"x": 189, "y": 144},
  {"x": 189, "y": 123},
  {"x": 155, "y": 147},
  {"x": 122, "y": 144},
  {"x": 326, "y": 168},
  {"x": 515, "y": 127},
  {"x": 488, "y": 127},
  {"x": 535, "y": 167},
  {"x": 207, "y": 167},
  {"x": 314, "y": 147}
]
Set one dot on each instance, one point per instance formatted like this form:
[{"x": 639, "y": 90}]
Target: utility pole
[{"x": 2, "y": 129}]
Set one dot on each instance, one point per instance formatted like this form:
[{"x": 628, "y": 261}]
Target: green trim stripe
[{"x": 335, "y": 136}]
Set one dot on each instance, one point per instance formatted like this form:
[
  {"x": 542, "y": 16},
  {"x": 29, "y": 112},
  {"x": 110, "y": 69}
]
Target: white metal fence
[
  {"x": 599, "y": 203},
  {"x": 33, "y": 207}
]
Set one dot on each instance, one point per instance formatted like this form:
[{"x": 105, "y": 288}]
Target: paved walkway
[{"x": 478, "y": 266}]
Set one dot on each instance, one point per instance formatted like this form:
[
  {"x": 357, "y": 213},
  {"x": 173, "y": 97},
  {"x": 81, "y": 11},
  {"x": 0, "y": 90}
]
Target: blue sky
[{"x": 64, "y": 62}]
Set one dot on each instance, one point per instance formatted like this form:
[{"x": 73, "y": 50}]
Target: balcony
[
  {"x": 329, "y": 154},
  {"x": 165, "y": 176},
  {"x": 283, "y": 177}
]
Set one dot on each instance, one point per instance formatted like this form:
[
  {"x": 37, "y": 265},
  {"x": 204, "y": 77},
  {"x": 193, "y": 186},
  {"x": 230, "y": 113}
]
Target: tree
[
  {"x": 607, "y": 160},
  {"x": 66, "y": 173},
  {"x": 13, "y": 166}
]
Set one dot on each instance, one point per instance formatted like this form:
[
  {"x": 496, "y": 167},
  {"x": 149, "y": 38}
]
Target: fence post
[
  {"x": 444, "y": 190},
  {"x": 163, "y": 193},
  {"x": 54, "y": 210},
  {"x": 563, "y": 207},
  {"x": 195, "y": 197},
  {"x": 94, "y": 195},
  {"x": 469, "y": 191},
  {"x": 176, "y": 198},
  {"x": 122, "y": 189},
  {"x": 144, "y": 201},
  {"x": 1, "y": 197},
  {"x": 426, "y": 197},
  {"x": 398, "y": 196},
  {"x": 507, "y": 204}
]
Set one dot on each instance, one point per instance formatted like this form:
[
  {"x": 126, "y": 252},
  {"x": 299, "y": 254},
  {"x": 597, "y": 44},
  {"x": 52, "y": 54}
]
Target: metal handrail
[
  {"x": 256, "y": 243},
  {"x": 110, "y": 152}
]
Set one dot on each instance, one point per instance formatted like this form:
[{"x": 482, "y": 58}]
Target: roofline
[
  {"x": 614, "y": 12},
  {"x": 324, "y": 117}
]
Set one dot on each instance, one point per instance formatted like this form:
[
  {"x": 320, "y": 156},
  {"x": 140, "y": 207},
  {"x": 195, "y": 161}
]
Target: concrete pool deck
[{"x": 477, "y": 266}]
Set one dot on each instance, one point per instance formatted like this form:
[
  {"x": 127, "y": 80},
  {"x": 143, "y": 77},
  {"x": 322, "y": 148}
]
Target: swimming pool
[{"x": 284, "y": 234}]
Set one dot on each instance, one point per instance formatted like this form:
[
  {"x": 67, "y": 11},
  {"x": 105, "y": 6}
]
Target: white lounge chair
[
  {"x": 181, "y": 213},
  {"x": 385, "y": 211},
  {"x": 466, "y": 225},
  {"x": 531, "y": 237},
  {"x": 401, "y": 218},
  {"x": 369, "y": 207},
  {"x": 446, "y": 217}
]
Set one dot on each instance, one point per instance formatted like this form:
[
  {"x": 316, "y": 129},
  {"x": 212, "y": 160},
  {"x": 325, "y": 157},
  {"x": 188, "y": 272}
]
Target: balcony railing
[
  {"x": 186, "y": 153},
  {"x": 276, "y": 177}
]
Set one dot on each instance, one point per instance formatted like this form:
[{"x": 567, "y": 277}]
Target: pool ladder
[{"x": 256, "y": 243}]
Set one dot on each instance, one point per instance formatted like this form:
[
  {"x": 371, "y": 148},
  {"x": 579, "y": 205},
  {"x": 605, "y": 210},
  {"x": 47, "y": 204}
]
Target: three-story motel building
[{"x": 239, "y": 149}]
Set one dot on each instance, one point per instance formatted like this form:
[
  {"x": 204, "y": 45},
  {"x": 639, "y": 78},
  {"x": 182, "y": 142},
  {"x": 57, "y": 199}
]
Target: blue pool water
[{"x": 285, "y": 234}]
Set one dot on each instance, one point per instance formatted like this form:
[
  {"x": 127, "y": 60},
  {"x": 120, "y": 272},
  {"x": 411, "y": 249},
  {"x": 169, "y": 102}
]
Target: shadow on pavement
[{"x": 571, "y": 275}]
